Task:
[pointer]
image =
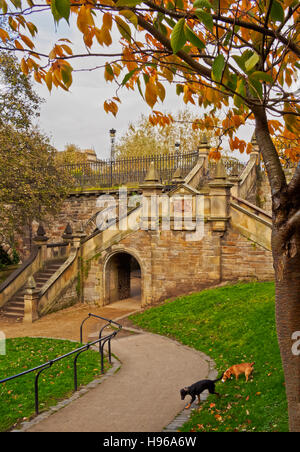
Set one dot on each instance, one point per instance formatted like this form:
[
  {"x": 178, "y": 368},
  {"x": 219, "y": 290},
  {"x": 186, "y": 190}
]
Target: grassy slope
[
  {"x": 56, "y": 383},
  {"x": 231, "y": 324}
]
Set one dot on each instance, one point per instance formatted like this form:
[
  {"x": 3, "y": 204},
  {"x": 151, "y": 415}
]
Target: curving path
[{"x": 143, "y": 396}]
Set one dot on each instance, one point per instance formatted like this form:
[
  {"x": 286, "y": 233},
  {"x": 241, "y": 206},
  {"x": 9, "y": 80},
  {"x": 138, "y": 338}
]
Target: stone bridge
[{"x": 204, "y": 230}]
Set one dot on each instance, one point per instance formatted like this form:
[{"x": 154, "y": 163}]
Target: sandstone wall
[
  {"x": 172, "y": 266},
  {"x": 244, "y": 259}
]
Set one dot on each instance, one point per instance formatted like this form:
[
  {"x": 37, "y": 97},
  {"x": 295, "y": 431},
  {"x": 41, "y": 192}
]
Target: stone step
[
  {"x": 13, "y": 310},
  {"x": 41, "y": 279},
  {"x": 15, "y": 307},
  {"x": 16, "y": 304},
  {"x": 13, "y": 315}
]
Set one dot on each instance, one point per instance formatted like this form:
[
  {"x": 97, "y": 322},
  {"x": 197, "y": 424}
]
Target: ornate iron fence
[{"x": 110, "y": 173}]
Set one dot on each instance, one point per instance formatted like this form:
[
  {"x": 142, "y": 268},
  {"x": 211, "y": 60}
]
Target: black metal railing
[
  {"x": 102, "y": 340},
  {"x": 110, "y": 173}
]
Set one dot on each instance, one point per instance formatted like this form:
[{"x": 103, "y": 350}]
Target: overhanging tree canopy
[
  {"x": 238, "y": 56},
  {"x": 214, "y": 51}
]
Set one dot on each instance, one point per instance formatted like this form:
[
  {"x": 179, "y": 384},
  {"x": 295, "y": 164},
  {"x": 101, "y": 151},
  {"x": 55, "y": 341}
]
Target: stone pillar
[
  {"x": 68, "y": 234},
  {"x": 203, "y": 151},
  {"x": 41, "y": 241},
  {"x": 152, "y": 190},
  {"x": 78, "y": 236},
  {"x": 255, "y": 154},
  {"x": 219, "y": 199},
  {"x": 178, "y": 179},
  {"x": 31, "y": 299},
  {"x": 235, "y": 179},
  {"x": 68, "y": 237}
]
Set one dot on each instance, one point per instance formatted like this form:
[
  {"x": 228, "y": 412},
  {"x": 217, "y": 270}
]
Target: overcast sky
[{"x": 78, "y": 116}]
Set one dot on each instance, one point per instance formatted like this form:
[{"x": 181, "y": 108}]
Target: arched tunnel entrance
[{"x": 123, "y": 278}]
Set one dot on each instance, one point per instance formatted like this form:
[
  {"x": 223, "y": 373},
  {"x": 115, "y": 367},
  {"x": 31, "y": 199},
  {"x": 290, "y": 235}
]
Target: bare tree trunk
[{"x": 286, "y": 256}]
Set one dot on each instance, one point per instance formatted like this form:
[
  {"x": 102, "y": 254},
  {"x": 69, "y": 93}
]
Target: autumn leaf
[
  {"x": 123, "y": 28},
  {"x": 110, "y": 107},
  {"x": 151, "y": 93},
  {"x": 277, "y": 13},
  {"x": 84, "y": 19},
  {"x": 4, "y": 35},
  {"x": 107, "y": 20},
  {"x": 48, "y": 80},
  {"x": 27, "y": 41},
  {"x": 128, "y": 2},
  {"x": 161, "y": 91},
  {"x": 108, "y": 73},
  {"x": 129, "y": 15},
  {"x": 218, "y": 67},
  {"x": 63, "y": 8},
  {"x": 178, "y": 36},
  {"x": 252, "y": 61},
  {"x": 205, "y": 18},
  {"x": 193, "y": 38},
  {"x": 24, "y": 67}
]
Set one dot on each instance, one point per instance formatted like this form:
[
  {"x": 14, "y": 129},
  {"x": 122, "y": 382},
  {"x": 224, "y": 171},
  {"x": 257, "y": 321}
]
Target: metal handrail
[
  {"x": 101, "y": 340},
  {"x": 109, "y": 322}
]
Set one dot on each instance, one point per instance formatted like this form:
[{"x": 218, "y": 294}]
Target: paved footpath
[{"x": 142, "y": 396}]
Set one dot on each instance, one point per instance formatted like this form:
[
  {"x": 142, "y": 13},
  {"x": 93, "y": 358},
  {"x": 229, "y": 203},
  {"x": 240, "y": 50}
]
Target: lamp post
[
  {"x": 112, "y": 133},
  {"x": 177, "y": 146}
]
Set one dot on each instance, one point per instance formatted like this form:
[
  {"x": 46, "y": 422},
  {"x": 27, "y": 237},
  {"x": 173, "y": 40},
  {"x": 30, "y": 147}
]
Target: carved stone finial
[
  {"x": 68, "y": 232},
  {"x": 31, "y": 284},
  {"x": 254, "y": 141},
  {"x": 220, "y": 170},
  {"x": 204, "y": 146},
  {"x": 79, "y": 228},
  {"x": 68, "y": 229},
  {"x": 235, "y": 170},
  {"x": 177, "y": 177},
  {"x": 204, "y": 139},
  {"x": 40, "y": 234},
  {"x": 152, "y": 181},
  {"x": 152, "y": 174}
]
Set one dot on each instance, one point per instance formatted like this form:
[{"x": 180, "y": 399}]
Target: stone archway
[{"x": 123, "y": 278}]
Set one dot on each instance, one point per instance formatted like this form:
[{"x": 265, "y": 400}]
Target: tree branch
[
  {"x": 292, "y": 225},
  {"x": 199, "y": 68},
  {"x": 234, "y": 22},
  {"x": 294, "y": 185}
]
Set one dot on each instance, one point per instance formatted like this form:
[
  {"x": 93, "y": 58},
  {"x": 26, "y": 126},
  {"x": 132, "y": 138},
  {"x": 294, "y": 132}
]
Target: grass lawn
[
  {"x": 56, "y": 383},
  {"x": 231, "y": 324}
]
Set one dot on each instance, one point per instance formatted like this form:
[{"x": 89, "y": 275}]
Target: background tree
[
  {"x": 143, "y": 138},
  {"x": 32, "y": 185},
  {"x": 72, "y": 154},
  {"x": 19, "y": 104},
  {"x": 240, "y": 57}
]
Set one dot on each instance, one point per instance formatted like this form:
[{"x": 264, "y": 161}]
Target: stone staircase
[{"x": 14, "y": 308}]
